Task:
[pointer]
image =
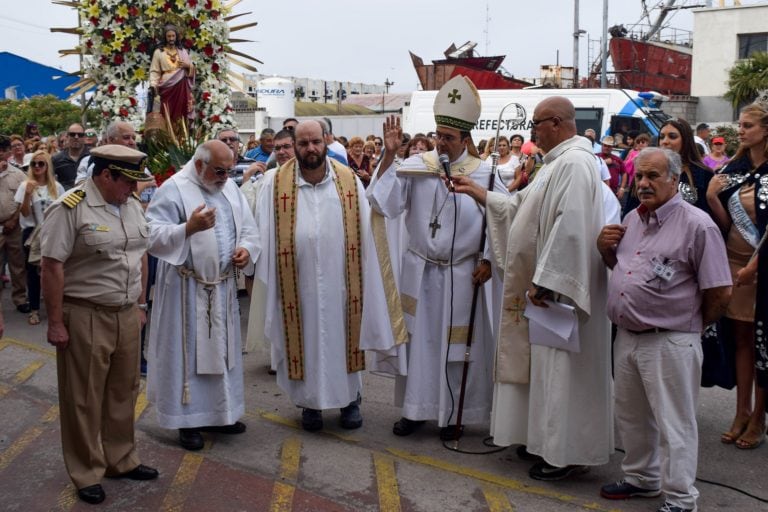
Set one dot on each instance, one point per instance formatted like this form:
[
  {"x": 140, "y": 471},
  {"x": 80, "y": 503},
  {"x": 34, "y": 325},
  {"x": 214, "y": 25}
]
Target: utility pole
[
  {"x": 387, "y": 85},
  {"x": 604, "y": 49},
  {"x": 576, "y": 35}
]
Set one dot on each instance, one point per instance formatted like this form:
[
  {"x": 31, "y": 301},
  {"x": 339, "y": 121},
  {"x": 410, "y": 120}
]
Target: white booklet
[{"x": 556, "y": 326}]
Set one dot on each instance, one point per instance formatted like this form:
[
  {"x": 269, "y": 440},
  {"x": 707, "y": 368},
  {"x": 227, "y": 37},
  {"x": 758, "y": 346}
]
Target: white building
[
  {"x": 315, "y": 90},
  {"x": 722, "y": 36}
]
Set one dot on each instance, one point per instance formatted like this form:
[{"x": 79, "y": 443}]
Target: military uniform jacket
[{"x": 101, "y": 249}]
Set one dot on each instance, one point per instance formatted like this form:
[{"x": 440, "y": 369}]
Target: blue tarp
[{"x": 31, "y": 78}]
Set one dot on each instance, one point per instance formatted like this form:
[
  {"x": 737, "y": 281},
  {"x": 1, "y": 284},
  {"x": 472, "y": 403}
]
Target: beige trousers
[
  {"x": 11, "y": 244},
  {"x": 98, "y": 376}
]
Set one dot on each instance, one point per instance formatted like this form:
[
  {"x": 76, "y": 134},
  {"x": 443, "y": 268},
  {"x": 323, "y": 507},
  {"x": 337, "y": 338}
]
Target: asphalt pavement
[{"x": 276, "y": 466}]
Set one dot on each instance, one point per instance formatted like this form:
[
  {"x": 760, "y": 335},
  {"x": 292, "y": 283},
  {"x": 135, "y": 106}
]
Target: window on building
[{"x": 751, "y": 43}]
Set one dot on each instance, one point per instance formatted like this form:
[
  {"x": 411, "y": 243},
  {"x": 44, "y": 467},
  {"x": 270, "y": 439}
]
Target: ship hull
[{"x": 651, "y": 66}]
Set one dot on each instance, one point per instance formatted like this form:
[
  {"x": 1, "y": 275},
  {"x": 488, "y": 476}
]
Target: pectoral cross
[{"x": 435, "y": 225}]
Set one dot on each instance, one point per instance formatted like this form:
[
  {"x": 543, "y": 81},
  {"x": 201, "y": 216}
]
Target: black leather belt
[{"x": 652, "y": 330}]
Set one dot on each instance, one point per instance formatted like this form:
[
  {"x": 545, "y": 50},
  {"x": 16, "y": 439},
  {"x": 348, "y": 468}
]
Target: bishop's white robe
[
  {"x": 436, "y": 297},
  {"x": 214, "y": 373},
  {"x": 320, "y": 259},
  {"x": 561, "y": 406}
]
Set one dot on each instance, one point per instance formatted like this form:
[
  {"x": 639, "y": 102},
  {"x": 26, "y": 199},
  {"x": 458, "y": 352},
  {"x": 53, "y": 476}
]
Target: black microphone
[{"x": 446, "y": 163}]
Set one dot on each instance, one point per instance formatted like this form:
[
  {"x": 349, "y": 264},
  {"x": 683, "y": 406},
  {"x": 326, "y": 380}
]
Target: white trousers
[{"x": 657, "y": 378}]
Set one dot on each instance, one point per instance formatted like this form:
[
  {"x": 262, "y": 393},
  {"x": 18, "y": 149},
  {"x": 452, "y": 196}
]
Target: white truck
[{"x": 607, "y": 111}]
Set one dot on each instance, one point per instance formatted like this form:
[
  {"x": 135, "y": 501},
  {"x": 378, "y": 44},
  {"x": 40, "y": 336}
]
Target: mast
[{"x": 659, "y": 20}]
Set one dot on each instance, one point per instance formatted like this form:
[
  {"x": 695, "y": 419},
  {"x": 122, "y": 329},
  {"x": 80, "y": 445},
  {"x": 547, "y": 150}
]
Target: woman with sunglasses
[
  {"x": 33, "y": 197},
  {"x": 739, "y": 201}
]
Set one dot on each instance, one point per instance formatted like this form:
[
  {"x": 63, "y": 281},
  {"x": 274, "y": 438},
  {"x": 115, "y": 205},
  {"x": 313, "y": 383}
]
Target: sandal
[
  {"x": 752, "y": 438},
  {"x": 34, "y": 318},
  {"x": 738, "y": 428}
]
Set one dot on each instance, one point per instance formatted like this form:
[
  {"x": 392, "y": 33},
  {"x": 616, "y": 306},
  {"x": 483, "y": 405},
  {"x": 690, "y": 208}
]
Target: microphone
[{"x": 446, "y": 163}]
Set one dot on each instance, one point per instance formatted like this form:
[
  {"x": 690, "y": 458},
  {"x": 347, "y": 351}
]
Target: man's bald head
[{"x": 555, "y": 120}]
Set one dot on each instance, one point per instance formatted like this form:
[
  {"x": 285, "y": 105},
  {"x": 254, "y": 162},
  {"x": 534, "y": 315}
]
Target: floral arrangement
[{"x": 119, "y": 37}]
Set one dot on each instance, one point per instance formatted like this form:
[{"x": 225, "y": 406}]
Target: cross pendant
[{"x": 435, "y": 226}]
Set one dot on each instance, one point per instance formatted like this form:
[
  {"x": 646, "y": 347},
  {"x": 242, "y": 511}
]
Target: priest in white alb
[
  {"x": 201, "y": 230},
  {"x": 440, "y": 266},
  {"x": 313, "y": 220},
  {"x": 555, "y": 401}
]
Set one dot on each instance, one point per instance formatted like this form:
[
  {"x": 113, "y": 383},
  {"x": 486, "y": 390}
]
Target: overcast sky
[{"x": 364, "y": 41}]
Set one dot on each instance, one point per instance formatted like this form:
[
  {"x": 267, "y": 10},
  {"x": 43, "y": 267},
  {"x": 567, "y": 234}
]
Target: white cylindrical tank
[{"x": 275, "y": 95}]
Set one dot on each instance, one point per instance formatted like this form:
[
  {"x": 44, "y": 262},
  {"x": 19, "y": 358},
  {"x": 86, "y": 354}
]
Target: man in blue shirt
[{"x": 266, "y": 146}]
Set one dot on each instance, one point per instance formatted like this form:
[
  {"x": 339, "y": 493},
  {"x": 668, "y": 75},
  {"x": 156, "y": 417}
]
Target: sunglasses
[
  {"x": 377, "y": 143},
  {"x": 38, "y": 164},
  {"x": 229, "y": 139},
  {"x": 282, "y": 147},
  {"x": 76, "y": 134},
  {"x": 537, "y": 122}
]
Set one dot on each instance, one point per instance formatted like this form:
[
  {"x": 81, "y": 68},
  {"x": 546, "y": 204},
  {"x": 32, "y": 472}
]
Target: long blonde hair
[
  {"x": 760, "y": 111},
  {"x": 53, "y": 191}
]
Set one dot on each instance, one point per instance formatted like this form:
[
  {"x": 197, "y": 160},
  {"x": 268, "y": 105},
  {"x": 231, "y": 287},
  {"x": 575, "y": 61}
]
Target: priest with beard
[
  {"x": 201, "y": 231},
  {"x": 314, "y": 223}
]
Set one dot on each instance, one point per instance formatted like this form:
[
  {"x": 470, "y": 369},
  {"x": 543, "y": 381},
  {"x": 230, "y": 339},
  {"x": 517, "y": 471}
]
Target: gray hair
[
  {"x": 228, "y": 129},
  {"x": 202, "y": 154},
  {"x": 112, "y": 131},
  {"x": 674, "y": 163}
]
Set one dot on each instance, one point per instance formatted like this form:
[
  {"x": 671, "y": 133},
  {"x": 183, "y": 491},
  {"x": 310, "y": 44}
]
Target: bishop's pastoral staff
[{"x": 201, "y": 229}]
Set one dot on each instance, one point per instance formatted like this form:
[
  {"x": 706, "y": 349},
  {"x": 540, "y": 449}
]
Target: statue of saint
[{"x": 172, "y": 76}]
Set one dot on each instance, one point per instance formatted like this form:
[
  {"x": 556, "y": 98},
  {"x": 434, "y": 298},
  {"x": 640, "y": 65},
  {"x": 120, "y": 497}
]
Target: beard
[{"x": 311, "y": 161}]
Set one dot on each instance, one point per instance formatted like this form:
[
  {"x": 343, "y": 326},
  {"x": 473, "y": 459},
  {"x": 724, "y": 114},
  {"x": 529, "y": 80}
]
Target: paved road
[{"x": 275, "y": 466}]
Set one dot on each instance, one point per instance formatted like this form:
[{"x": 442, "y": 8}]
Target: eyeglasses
[
  {"x": 229, "y": 139},
  {"x": 281, "y": 147},
  {"x": 90, "y": 134},
  {"x": 75, "y": 134},
  {"x": 290, "y": 127},
  {"x": 17, "y": 145},
  {"x": 378, "y": 143},
  {"x": 223, "y": 172},
  {"x": 38, "y": 163},
  {"x": 537, "y": 122}
]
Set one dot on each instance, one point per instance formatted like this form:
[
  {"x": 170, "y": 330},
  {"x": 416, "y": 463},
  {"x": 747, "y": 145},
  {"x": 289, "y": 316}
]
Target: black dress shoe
[
  {"x": 523, "y": 454},
  {"x": 140, "y": 472},
  {"x": 191, "y": 439},
  {"x": 406, "y": 427},
  {"x": 311, "y": 420},
  {"x": 25, "y": 308},
  {"x": 449, "y": 433},
  {"x": 92, "y": 494},
  {"x": 236, "y": 428},
  {"x": 351, "y": 417}
]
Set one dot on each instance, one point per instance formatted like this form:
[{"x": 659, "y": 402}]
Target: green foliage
[
  {"x": 747, "y": 79},
  {"x": 51, "y": 115},
  {"x": 168, "y": 152}
]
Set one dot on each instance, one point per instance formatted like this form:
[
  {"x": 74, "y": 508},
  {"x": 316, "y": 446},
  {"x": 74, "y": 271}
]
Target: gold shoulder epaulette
[{"x": 74, "y": 198}]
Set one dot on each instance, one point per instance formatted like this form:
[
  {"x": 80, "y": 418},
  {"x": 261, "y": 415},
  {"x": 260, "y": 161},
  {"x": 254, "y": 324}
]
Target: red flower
[
  {"x": 167, "y": 7},
  {"x": 208, "y": 50},
  {"x": 106, "y": 33},
  {"x": 215, "y": 67},
  {"x": 215, "y": 118},
  {"x": 189, "y": 43},
  {"x": 103, "y": 60},
  {"x": 132, "y": 100},
  {"x": 142, "y": 48},
  {"x": 119, "y": 19},
  {"x": 118, "y": 59},
  {"x": 133, "y": 11},
  {"x": 89, "y": 43},
  {"x": 111, "y": 88},
  {"x": 126, "y": 47},
  {"x": 123, "y": 111},
  {"x": 214, "y": 14},
  {"x": 94, "y": 21},
  {"x": 194, "y": 23},
  {"x": 206, "y": 96},
  {"x": 192, "y": 3},
  {"x": 106, "y": 113},
  {"x": 208, "y": 5}
]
